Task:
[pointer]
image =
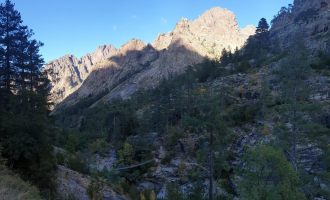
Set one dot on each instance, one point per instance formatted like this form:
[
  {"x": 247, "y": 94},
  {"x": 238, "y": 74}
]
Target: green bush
[
  {"x": 173, "y": 192},
  {"x": 240, "y": 114},
  {"x": 126, "y": 154},
  {"x": 322, "y": 62},
  {"x": 243, "y": 67},
  {"x": 60, "y": 158},
  {"x": 99, "y": 146},
  {"x": 270, "y": 174},
  {"x": 77, "y": 163},
  {"x": 94, "y": 190}
]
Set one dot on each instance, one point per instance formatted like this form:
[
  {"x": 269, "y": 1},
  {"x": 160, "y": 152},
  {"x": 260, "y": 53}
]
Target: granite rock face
[
  {"x": 305, "y": 20},
  {"x": 71, "y": 184},
  {"x": 68, "y": 72},
  {"x": 110, "y": 73},
  {"x": 209, "y": 34}
]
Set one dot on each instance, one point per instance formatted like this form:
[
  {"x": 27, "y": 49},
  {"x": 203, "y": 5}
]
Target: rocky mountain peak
[
  {"x": 101, "y": 53},
  {"x": 65, "y": 58},
  {"x": 248, "y": 30},
  {"x": 182, "y": 24},
  {"x": 213, "y": 31},
  {"x": 132, "y": 45},
  {"x": 215, "y": 17}
]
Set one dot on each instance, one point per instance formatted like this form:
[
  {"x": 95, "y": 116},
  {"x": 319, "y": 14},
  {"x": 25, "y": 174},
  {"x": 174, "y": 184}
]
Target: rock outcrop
[
  {"x": 71, "y": 184},
  {"x": 305, "y": 20},
  {"x": 68, "y": 72},
  {"x": 110, "y": 73}
]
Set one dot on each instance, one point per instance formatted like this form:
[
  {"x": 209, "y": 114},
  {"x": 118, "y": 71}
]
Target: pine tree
[
  {"x": 225, "y": 57},
  {"x": 262, "y": 26},
  {"x": 36, "y": 79},
  {"x": 295, "y": 92},
  {"x": 13, "y": 37},
  {"x": 259, "y": 45},
  {"x": 24, "y": 125}
]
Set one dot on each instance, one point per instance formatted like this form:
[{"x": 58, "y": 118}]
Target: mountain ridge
[{"x": 221, "y": 31}]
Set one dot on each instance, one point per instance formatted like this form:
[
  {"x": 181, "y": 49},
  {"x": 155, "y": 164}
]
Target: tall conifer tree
[{"x": 24, "y": 126}]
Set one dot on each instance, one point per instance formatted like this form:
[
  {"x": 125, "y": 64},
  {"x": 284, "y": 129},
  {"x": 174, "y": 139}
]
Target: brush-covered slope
[
  {"x": 13, "y": 187},
  {"x": 263, "y": 109}
]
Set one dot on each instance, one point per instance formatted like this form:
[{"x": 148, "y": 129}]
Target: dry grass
[{"x": 14, "y": 188}]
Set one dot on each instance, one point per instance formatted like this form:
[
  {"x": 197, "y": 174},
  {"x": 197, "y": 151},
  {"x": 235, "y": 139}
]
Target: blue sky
[{"x": 79, "y": 26}]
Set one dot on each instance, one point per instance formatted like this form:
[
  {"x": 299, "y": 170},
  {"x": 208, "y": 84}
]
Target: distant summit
[{"x": 215, "y": 30}]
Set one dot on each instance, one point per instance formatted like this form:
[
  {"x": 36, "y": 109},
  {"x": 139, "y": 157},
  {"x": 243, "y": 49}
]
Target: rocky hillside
[
  {"x": 112, "y": 73},
  {"x": 264, "y": 107},
  {"x": 305, "y": 20}
]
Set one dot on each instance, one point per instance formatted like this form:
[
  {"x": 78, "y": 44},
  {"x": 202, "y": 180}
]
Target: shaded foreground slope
[{"x": 13, "y": 187}]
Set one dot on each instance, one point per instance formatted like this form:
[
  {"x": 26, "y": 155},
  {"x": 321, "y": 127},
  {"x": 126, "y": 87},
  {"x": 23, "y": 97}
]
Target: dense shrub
[
  {"x": 271, "y": 175},
  {"x": 78, "y": 163},
  {"x": 240, "y": 114}
]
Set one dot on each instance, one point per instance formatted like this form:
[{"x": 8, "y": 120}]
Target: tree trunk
[{"x": 211, "y": 167}]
